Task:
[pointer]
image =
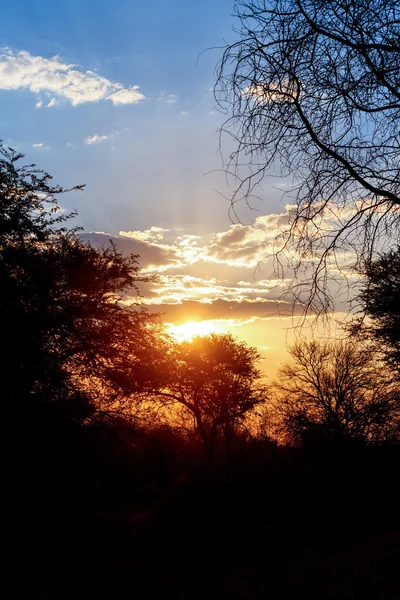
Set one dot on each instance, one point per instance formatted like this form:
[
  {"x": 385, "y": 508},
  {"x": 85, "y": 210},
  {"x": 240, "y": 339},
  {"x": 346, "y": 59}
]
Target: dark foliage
[
  {"x": 67, "y": 335},
  {"x": 215, "y": 381},
  {"x": 103, "y": 504},
  {"x": 66, "y": 340},
  {"x": 380, "y": 304}
]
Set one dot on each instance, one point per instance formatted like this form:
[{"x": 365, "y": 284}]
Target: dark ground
[{"x": 223, "y": 533}]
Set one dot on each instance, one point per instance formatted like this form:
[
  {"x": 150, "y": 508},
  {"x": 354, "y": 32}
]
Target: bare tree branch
[{"x": 311, "y": 89}]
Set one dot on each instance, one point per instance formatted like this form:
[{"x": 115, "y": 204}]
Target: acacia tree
[
  {"x": 336, "y": 390},
  {"x": 214, "y": 379},
  {"x": 69, "y": 347},
  {"x": 69, "y": 339},
  {"x": 312, "y": 90}
]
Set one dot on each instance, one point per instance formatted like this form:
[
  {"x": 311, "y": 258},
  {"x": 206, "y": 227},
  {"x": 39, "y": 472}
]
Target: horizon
[{"x": 135, "y": 120}]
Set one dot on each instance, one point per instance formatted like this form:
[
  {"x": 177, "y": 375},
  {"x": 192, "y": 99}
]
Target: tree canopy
[
  {"x": 311, "y": 88},
  {"x": 336, "y": 391},
  {"x": 379, "y": 300},
  {"x": 215, "y": 380},
  {"x": 69, "y": 338}
]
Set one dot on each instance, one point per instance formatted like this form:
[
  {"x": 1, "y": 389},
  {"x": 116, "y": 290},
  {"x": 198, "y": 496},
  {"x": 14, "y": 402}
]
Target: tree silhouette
[
  {"x": 70, "y": 350},
  {"x": 69, "y": 339},
  {"x": 215, "y": 379},
  {"x": 335, "y": 391},
  {"x": 380, "y": 303},
  {"x": 312, "y": 89}
]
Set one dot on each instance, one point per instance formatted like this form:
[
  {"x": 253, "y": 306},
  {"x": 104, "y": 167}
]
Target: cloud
[
  {"x": 215, "y": 276},
  {"x": 247, "y": 245},
  {"x": 40, "y": 146},
  {"x": 172, "y": 260},
  {"x": 129, "y": 95},
  {"x": 282, "y": 91},
  {"x": 182, "y": 264},
  {"x": 172, "y": 289},
  {"x": 150, "y": 254},
  {"x": 182, "y": 247},
  {"x": 168, "y": 98},
  {"x": 154, "y": 234},
  {"x": 192, "y": 310},
  {"x": 207, "y": 280},
  {"x": 21, "y": 70},
  {"x": 96, "y": 139},
  {"x": 52, "y": 102}
]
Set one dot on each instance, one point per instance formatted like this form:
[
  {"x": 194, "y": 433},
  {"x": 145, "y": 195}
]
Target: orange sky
[{"x": 221, "y": 282}]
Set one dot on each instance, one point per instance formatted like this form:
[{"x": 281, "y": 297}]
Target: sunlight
[{"x": 187, "y": 331}]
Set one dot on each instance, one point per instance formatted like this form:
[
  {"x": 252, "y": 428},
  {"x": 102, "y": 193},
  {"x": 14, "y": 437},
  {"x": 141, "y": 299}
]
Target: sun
[{"x": 187, "y": 331}]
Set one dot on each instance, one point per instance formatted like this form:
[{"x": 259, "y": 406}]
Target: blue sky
[
  {"x": 117, "y": 96},
  {"x": 151, "y": 166}
]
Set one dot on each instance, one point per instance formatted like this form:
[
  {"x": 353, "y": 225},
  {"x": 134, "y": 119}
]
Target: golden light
[{"x": 187, "y": 331}]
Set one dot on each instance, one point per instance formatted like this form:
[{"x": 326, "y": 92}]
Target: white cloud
[
  {"x": 152, "y": 235},
  {"x": 52, "y": 102},
  {"x": 37, "y": 145},
  {"x": 21, "y": 70},
  {"x": 96, "y": 139},
  {"x": 126, "y": 96},
  {"x": 168, "y": 98},
  {"x": 283, "y": 91}
]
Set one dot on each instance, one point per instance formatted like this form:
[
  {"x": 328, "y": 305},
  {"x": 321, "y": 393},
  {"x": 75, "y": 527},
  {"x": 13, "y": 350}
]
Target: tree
[
  {"x": 215, "y": 380},
  {"x": 338, "y": 391},
  {"x": 312, "y": 88},
  {"x": 379, "y": 301},
  {"x": 71, "y": 349},
  {"x": 69, "y": 338}
]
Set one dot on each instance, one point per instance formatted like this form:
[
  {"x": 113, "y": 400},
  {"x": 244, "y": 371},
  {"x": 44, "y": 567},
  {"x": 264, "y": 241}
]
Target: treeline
[{"x": 110, "y": 423}]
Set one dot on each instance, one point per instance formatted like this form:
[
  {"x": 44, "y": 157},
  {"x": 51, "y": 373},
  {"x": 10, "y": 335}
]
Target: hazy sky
[{"x": 119, "y": 96}]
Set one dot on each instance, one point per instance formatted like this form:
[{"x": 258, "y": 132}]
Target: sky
[{"x": 118, "y": 96}]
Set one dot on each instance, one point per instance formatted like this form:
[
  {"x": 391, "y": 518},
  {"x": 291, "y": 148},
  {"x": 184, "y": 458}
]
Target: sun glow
[{"x": 187, "y": 331}]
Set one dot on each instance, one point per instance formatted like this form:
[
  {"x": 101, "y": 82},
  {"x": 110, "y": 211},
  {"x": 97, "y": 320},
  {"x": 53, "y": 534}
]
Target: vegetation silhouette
[
  {"x": 137, "y": 465},
  {"x": 378, "y": 302},
  {"x": 68, "y": 338},
  {"x": 336, "y": 391},
  {"x": 61, "y": 296},
  {"x": 311, "y": 91},
  {"x": 215, "y": 381}
]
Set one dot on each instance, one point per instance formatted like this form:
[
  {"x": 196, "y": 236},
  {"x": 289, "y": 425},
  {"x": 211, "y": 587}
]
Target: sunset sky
[{"x": 119, "y": 96}]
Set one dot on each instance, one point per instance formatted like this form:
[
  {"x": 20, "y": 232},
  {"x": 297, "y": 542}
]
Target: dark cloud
[
  {"x": 192, "y": 310},
  {"x": 149, "y": 254}
]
